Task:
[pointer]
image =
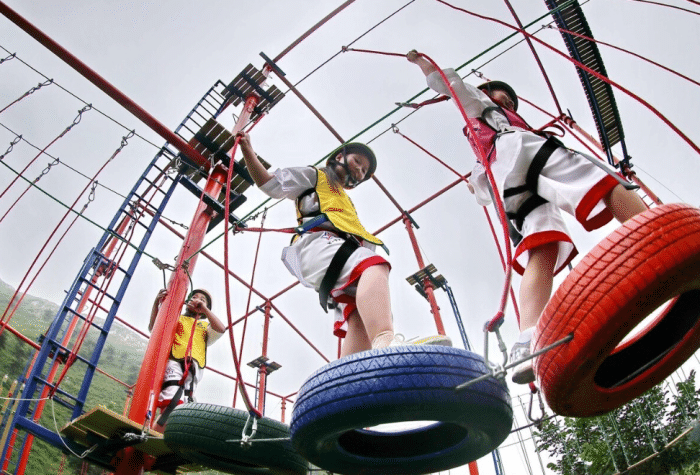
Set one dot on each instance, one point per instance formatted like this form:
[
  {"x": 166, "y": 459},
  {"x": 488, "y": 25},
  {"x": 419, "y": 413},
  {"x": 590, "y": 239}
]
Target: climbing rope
[
  {"x": 253, "y": 412},
  {"x": 537, "y": 58},
  {"x": 92, "y": 184},
  {"x": 28, "y": 93},
  {"x": 250, "y": 290},
  {"x": 585, "y": 68},
  {"x": 75, "y": 122}
]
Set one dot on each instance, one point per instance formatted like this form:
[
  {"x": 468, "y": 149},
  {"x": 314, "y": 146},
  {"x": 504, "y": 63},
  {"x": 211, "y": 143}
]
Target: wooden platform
[
  {"x": 107, "y": 425},
  {"x": 214, "y": 142}
]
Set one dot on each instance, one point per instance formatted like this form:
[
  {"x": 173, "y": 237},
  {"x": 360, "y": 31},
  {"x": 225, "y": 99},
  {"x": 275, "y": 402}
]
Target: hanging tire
[
  {"x": 199, "y": 433},
  {"x": 399, "y": 384},
  {"x": 652, "y": 260}
]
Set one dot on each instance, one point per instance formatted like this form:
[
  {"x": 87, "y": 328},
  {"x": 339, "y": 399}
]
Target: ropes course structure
[{"x": 82, "y": 194}]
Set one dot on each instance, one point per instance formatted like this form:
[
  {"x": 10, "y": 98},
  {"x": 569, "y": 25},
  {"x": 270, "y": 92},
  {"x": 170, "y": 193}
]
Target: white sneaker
[
  {"x": 523, "y": 373},
  {"x": 440, "y": 340}
]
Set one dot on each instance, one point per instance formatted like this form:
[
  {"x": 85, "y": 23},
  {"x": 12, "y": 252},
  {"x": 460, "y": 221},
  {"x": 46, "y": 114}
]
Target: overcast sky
[{"x": 166, "y": 55}]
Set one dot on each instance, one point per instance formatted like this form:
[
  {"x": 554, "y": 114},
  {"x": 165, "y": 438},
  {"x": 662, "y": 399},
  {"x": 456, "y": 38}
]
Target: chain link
[{"x": 14, "y": 142}]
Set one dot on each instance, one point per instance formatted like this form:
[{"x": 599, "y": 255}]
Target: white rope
[{"x": 81, "y": 456}]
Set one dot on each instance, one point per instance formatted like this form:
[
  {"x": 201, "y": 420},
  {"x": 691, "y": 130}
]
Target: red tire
[{"x": 652, "y": 259}]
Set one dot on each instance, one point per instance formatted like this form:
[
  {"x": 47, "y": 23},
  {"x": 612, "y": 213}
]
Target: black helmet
[
  {"x": 201, "y": 291},
  {"x": 361, "y": 149},
  {"x": 501, "y": 86}
]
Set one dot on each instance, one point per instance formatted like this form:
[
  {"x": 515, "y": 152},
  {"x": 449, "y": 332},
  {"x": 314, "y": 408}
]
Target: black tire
[
  {"x": 199, "y": 433},
  {"x": 400, "y": 384}
]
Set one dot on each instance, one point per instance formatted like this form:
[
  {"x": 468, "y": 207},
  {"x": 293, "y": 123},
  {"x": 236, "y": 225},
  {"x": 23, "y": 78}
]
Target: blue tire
[{"x": 400, "y": 384}]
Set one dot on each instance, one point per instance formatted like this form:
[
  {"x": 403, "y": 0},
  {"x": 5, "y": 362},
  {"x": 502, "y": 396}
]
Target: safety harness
[
  {"x": 337, "y": 208},
  {"x": 486, "y": 136},
  {"x": 187, "y": 364}
]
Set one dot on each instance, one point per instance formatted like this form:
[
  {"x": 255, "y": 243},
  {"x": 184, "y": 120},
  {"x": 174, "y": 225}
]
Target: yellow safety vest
[
  {"x": 337, "y": 206},
  {"x": 183, "y": 331}
]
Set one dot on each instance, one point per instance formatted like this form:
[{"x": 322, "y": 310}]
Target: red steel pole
[
  {"x": 150, "y": 377},
  {"x": 262, "y": 387},
  {"x": 158, "y": 350},
  {"x": 427, "y": 285}
]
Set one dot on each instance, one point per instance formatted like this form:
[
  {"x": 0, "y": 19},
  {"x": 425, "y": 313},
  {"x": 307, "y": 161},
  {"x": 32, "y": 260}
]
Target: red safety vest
[{"x": 485, "y": 135}]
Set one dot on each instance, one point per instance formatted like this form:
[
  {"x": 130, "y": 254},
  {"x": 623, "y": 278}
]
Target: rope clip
[
  {"x": 533, "y": 391},
  {"x": 245, "y": 439},
  {"x": 497, "y": 371}
]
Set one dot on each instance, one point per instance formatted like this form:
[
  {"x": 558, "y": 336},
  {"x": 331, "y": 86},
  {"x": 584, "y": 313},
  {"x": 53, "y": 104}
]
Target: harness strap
[
  {"x": 531, "y": 180},
  {"x": 526, "y": 208},
  {"x": 490, "y": 109},
  {"x": 533, "y": 172},
  {"x": 178, "y": 394},
  {"x": 336, "y": 266},
  {"x": 186, "y": 364},
  {"x": 167, "y": 384}
]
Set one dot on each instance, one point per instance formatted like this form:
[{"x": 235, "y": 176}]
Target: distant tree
[
  {"x": 48, "y": 315},
  {"x": 108, "y": 353},
  {"x": 637, "y": 431}
]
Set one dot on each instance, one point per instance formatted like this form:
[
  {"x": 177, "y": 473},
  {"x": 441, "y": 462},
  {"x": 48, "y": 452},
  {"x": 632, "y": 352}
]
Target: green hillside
[{"x": 121, "y": 358}]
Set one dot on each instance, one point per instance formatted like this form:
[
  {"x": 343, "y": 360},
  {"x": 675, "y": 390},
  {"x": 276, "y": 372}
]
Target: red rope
[
  {"x": 67, "y": 129},
  {"x": 463, "y": 177},
  {"x": 588, "y": 70},
  {"x": 250, "y": 291},
  {"x": 227, "y": 288},
  {"x": 537, "y": 57},
  {"x": 503, "y": 264},
  {"x": 265, "y": 230},
  {"x": 385, "y": 53},
  {"x": 579, "y": 35},
  {"x": 30, "y": 91},
  {"x": 19, "y": 198},
  {"x": 93, "y": 180}
]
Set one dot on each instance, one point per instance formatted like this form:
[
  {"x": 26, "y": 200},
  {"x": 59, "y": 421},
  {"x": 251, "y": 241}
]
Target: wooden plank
[{"x": 109, "y": 425}]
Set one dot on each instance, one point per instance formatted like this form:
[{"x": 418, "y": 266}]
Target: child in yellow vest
[
  {"x": 196, "y": 330},
  {"x": 356, "y": 285}
]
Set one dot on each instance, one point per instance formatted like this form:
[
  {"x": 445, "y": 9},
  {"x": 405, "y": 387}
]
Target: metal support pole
[
  {"x": 283, "y": 407},
  {"x": 151, "y": 375},
  {"x": 427, "y": 285},
  {"x": 263, "y": 368}
]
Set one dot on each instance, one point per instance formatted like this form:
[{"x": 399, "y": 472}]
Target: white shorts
[
  {"x": 569, "y": 182},
  {"x": 173, "y": 372},
  {"x": 308, "y": 259}
]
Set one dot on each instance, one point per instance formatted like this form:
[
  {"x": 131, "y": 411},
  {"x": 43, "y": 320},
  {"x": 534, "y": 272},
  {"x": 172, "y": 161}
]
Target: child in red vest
[
  {"x": 536, "y": 176},
  {"x": 336, "y": 257}
]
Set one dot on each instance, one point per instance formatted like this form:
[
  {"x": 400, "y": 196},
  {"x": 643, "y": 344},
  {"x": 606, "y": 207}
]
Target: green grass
[{"x": 121, "y": 358}]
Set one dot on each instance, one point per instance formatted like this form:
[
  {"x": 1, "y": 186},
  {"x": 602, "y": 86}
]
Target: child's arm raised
[
  {"x": 257, "y": 170},
  {"x": 426, "y": 66}
]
